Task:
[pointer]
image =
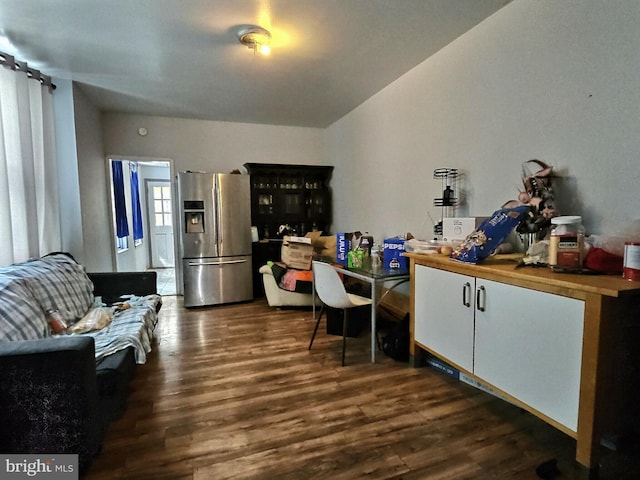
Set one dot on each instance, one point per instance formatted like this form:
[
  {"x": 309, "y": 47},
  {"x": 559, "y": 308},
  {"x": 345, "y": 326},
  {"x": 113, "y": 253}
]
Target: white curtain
[{"x": 29, "y": 202}]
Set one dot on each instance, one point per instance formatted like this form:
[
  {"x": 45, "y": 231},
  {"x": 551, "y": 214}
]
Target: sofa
[
  {"x": 59, "y": 392},
  {"x": 280, "y": 297}
]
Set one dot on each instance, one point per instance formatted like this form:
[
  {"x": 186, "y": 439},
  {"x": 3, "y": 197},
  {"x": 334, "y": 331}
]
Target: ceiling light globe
[
  {"x": 256, "y": 38},
  {"x": 265, "y": 49}
]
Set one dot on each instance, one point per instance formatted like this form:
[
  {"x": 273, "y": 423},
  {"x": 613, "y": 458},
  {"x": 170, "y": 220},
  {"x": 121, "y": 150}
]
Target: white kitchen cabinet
[
  {"x": 444, "y": 314},
  {"x": 545, "y": 339},
  {"x": 529, "y": 345},
  {"x": 526, "y": 343}
]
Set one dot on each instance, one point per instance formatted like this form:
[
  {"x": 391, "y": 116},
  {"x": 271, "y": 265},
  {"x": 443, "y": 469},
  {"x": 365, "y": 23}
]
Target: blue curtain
[
  {"x": 135, "y": 202},
  {"x": 122, "y": 227}
]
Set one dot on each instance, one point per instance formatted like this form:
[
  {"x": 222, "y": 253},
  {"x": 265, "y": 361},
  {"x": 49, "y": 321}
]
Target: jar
[
  {"x": 56, "y": 322},
  {"x": 566, "y": 244},
  {"x": 376, "y": 261}
]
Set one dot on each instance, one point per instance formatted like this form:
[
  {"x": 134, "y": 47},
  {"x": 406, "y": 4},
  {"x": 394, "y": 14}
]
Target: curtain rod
[{"x": 9, "y": 61}]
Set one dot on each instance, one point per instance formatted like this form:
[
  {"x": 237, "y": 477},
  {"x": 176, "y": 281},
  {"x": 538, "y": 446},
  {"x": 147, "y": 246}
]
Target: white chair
[
  {"x": 278, "y": 297},
  {"x": 329, "y": 287}
]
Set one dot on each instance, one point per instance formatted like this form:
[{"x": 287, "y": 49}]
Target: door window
[{"x": 162, "y": 206}]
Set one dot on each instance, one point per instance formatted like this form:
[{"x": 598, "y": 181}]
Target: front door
[{"x": 160, "y": 223}]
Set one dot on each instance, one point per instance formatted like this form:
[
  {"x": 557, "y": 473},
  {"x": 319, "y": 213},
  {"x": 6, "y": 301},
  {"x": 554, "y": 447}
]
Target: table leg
[
  {"x": 373, "y": 322},
  {"x": 313, "y": 292}
]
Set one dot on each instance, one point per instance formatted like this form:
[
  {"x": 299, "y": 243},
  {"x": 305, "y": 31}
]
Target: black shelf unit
[
  {"x": 294, "y": 195},
  {"x": 284, "y": 194}
]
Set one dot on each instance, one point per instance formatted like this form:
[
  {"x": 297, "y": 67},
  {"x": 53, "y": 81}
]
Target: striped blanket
[
  {"x": 132, "y": 327},
  {"x": 29, "y": 289}
]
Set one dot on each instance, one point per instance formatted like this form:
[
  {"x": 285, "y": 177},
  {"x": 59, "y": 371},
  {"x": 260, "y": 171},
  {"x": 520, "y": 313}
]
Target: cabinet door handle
[
  {"x": 466, "y": 290},
  {"x": 481, "y": 298}
]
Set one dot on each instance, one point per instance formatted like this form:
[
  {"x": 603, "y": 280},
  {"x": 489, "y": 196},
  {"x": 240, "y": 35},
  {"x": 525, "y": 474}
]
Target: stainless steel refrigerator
[{"x": 215, "y": 239}]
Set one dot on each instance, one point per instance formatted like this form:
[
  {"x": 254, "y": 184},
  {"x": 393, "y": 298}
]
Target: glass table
[{"x": 376, "y": 277}]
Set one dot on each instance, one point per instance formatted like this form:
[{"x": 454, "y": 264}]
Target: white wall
[
  {"x": 541, "y": 79},
  {"x": 558, "y": 81},
  {"x": 94, "y": 196},
  {"x": 192, "y": 144},
  {"x": 208, "y": 145}
]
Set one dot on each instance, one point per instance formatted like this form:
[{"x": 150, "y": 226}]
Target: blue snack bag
[{"x": 480, "y": 243}]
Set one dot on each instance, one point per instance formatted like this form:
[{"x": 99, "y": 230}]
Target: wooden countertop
[{"x": 502, "y": 268}]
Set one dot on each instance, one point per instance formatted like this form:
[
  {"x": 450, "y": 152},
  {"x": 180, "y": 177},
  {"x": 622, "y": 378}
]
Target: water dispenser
[{"x": 194, "y": 216}]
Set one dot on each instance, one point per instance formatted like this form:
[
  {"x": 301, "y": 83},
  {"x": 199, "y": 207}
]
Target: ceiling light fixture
[{"x": 256, "y": 38}]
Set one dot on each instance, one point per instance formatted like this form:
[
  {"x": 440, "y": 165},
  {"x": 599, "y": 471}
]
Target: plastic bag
[
  {"x": 427, "y": 246},
  {"x": 614, "y": 242},
  {"x": 481, "y": 243},
  {"x": 95, "y": 319}
]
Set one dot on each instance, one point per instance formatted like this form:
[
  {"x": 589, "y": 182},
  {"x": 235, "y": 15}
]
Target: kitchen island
[{"x": 548, "y": 342}]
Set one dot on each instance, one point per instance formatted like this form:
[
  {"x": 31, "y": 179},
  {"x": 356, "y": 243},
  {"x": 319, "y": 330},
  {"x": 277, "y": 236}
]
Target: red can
[{"x": 631, "y": 263}]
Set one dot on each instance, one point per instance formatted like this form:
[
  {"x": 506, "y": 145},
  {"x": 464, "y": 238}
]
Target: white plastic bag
[{"x": 95, "y": 319}]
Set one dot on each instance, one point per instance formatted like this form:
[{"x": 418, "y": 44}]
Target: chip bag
[{"x": 481, "y": 243}]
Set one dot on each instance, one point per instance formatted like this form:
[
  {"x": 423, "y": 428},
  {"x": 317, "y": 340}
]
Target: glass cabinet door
[
  {"x": 318, "y": 203},
  {"x": 265, "y": 204},
  {"x": 293, "y": 204},
  {"x": 295, "y": 195}
]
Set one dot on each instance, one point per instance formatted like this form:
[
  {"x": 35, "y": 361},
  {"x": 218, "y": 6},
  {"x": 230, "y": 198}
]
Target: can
[{"x": 631, "y": 262}]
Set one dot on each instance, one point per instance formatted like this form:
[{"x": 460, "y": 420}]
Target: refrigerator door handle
[
  {"x": 218, "y": 204},
  {"x": 231, "y": 262}
]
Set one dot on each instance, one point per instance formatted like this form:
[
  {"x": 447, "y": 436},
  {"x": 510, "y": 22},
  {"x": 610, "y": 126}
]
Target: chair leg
[
  {"x": 344, "y": 333},
  {"x": 315, "y": 330}
]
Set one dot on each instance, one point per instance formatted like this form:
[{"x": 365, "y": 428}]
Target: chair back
[{"x": 329, "y": 286}]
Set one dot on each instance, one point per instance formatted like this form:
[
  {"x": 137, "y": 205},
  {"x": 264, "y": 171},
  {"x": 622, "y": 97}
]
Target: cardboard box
[
  {"x": 480, "y": 386},
  {"x": 455, "y": 230},
  {"x": 345, "y": 242},
  {"x": 314, "y": 235},
  {"x": 395, "y": 303},
  {"x": 297, "y": 252},
  {"x": 436, "y": 363},
  {"x": 342, "y": 248},
  {"x": 393, "y": 250},
  {"x": 325, "y": 246},
  {"x": 355, "y": 259},
  {"x": 444, "y": 367}
]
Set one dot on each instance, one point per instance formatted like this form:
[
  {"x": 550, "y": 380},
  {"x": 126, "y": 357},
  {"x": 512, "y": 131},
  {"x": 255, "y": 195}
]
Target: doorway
[
  {"x": 148, "y": 244},
  {"x": 159, "y": 203}
]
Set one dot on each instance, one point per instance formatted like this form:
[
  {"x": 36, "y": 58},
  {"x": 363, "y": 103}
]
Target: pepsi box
[{"x": 393, "y": 250}]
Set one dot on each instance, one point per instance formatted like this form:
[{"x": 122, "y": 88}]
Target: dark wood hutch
[{"x": 286, "y": 194}]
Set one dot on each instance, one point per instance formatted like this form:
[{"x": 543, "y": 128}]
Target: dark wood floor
[{"x": 231, "y": 392}]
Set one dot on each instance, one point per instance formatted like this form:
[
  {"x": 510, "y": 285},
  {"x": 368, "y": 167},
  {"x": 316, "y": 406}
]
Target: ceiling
[{"x": 183, "y": 58}]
